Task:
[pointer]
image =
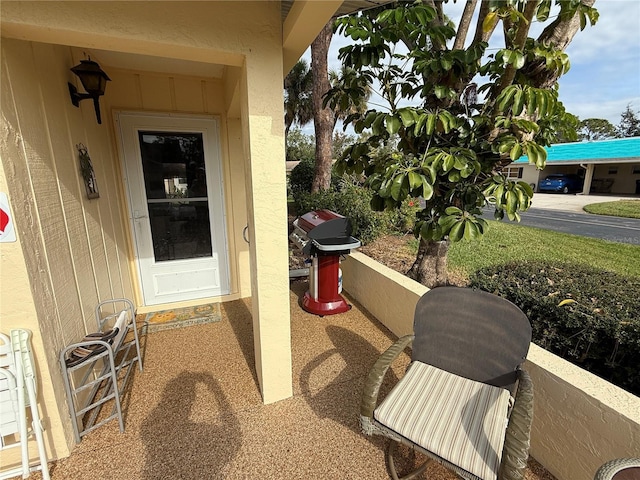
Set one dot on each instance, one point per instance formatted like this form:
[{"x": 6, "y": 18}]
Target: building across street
[{"x": 605, "y": 167}]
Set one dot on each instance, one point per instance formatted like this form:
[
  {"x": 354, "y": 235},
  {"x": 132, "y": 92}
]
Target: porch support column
[
  {"x": 588, "y": 178},
  {"x": 263, "y": 139}
]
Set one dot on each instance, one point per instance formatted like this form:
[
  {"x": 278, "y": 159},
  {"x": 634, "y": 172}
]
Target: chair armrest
[
  {"x": 610, "y": 469},
  {"x": 518, "y": 436},
  {"x": 377, "y": 373}
]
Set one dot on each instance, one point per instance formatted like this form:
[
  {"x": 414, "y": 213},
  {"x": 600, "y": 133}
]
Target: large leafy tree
[
  {"x": 594, "y": 129},
  {"x": 455, "y": 137}
]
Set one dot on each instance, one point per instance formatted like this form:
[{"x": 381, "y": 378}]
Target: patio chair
[
  {"x": 464, "y": 400},
  {"x": 619, "y": 469}
]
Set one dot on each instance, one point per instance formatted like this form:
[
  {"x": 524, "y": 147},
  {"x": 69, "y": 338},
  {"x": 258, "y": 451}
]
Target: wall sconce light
[{"x": 94, "y": 81}]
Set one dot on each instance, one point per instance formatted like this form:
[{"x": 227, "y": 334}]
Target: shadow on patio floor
[{"x": 196, "y": 411}]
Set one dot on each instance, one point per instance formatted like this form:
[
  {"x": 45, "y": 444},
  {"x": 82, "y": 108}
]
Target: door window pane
[{"x": 176, "y": 189}]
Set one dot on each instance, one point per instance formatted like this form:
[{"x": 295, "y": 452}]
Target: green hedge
[
  {"x": 351, "y": 201},
  {"x": 301, "y": 177},
  {"x": 587, "y": 316}
]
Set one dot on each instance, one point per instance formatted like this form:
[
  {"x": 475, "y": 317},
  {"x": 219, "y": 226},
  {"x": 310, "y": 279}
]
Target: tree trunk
[
  {"x": 430, "y": 267},
  {"x": 323, "y": 118}
]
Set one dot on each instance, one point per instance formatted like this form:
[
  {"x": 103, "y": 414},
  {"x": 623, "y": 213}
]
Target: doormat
[{"x": 182, "y": 317}]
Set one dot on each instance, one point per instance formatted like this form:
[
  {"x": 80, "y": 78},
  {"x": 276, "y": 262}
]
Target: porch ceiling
[
  {"x": 148, "y": 63},
  {"x": 348, "y": 6}
]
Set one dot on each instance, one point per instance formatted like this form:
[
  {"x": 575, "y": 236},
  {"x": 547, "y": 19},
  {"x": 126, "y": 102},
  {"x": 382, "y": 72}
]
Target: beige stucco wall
[
  {"x": 580, "y": 421},
  {"x": 72, "y": 251},
  {"x": 390, "y": 296},
  {"x": 266, "y": 184}
]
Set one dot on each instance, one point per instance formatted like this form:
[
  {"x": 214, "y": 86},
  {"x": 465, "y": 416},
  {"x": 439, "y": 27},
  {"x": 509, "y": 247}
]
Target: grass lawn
[
  {"x": 505, "y": 242},
  {"x": 621, "y": 208}
]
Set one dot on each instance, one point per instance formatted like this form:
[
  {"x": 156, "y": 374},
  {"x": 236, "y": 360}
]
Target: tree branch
[
  {"x": 559, "y": 35},
  {"x": 519, "y": 41},
  {"x": 463, "y": 27},
  {"x": 481, "y": 35}
]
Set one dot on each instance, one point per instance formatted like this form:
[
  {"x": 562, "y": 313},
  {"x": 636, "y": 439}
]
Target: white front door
[{"x": 174, "y": 180}]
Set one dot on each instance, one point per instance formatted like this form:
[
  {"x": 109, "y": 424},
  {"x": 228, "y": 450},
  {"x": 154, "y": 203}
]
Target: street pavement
[{"x": 564, "y": 213}]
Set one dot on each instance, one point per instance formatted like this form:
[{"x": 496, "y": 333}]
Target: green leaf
[
  {"x": 454, "y": 176},
  {"x": 397, "y": 187},
  {"x": 415, "y": 180},
  {"x": 449, "y": 162},
  {"x": 441, "y": 91},
  {"x": 407, "y": 116},
  {"x": 470, "y": 230},
  {"x": 532, "y": 100},
  {"x": 431, "y": 124},
  {"x": 427, "y": 189},
  {"x": 516, "y": 152},
  {"x": 456, "y": 232},
  {"x": 393, "y": 125},
  {"x": 376, "y": 127},
  {"x": 518, "y": 102},
  {"x": 504, "y": 99},
  {"x": 384, "y": 16},
  {"x": 398, "y": 14},
  {"x": 453, "y": 211},
  {"x": 447, "y": 221},
  {"x": 527, "y": 188},
  {"x": 543, "y": 11},
  {"x": 532, "y": 153},
  {"x": 420, "y": 124}
]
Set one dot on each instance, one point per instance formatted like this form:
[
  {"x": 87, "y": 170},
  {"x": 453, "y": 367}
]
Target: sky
[{"x": 605, "y": 61}]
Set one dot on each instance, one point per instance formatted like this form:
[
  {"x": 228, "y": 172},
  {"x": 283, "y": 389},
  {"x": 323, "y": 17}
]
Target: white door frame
[{"x": 208, "y": 279}]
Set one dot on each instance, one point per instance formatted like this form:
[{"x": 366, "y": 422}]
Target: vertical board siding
[
  {"x": 156, "y": 93},
  {"x": 74, "y": 248},
  {"x": 187, "y": 95},
  {"x": 25, "y": 72}
]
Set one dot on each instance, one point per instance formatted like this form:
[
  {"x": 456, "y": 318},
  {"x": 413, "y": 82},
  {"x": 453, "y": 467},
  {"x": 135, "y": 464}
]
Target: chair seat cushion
[{"x": 460, "y": 420}]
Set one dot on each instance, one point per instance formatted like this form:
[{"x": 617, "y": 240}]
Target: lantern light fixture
[{"x": 94, "y": 80}]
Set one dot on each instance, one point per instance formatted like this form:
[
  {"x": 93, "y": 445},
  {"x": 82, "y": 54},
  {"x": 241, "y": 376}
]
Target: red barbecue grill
[{"x": 324, "y": 236}]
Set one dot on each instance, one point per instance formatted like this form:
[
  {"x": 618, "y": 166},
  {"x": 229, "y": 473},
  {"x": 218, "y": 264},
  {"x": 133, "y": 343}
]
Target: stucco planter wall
[{"x": 580, "y": 420}]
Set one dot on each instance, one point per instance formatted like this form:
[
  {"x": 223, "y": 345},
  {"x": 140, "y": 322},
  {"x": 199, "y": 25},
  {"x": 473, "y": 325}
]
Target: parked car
[{"x": 561, "y": 182}]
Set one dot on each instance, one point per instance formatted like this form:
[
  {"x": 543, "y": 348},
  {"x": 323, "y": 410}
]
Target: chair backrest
[{"x": 471, "y": 333}]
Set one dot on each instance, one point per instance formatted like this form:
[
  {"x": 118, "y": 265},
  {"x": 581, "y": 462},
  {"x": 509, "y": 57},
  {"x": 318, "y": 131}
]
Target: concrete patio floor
[{"x": 196, "y": 411}]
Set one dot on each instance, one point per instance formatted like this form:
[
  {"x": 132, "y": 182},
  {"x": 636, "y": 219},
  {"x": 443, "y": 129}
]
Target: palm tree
[
  {"x": 298, "y": 106},
  {"x": 347, "y": 76}
]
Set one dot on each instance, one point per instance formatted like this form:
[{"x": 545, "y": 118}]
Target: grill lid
[
  {"x": 323, "y": 231},
  {"x": 324, "y": 223}
]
